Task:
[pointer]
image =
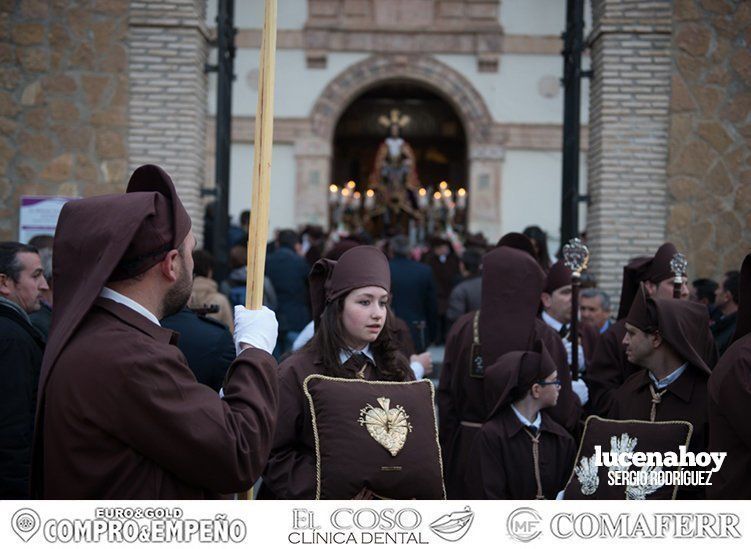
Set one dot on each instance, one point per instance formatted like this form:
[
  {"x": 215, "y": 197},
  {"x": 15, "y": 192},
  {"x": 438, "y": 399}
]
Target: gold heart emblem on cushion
[{"x": 388, "y": 426}]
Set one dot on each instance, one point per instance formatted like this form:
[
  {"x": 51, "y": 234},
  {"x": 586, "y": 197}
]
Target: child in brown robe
[
  {"x": 354, "y": 338},
  {"x": 520, "y": 452}
]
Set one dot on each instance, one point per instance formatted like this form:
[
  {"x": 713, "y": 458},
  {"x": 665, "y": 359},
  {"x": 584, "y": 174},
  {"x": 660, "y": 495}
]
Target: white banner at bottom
[{"x": 271, "y": 524}]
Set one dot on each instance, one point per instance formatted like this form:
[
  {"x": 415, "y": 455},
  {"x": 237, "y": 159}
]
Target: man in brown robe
[
  {"x": 556, "y": 312},
  {"x": 512, "y": 282},
  {"x": 664, "y": 337},
  {"x": 609, "y": 367},
  {"x": 120, "y": 414},
  {"x": 730, "y": 404},
  {"x": 520, "y": 451}
]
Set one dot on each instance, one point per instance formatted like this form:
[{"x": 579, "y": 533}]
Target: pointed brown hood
[
  {"x": 358, "y": 267},
  {"x": 517, "y": 241},
  {"x": 682, "y": 324},
  {"x": 513, "y": 374},
  {"x": 558, "y": 276},
  {"x": 106, "y": 238},
  {"x": 640, "y": 269},
  {"x": 512, "y": 282}
]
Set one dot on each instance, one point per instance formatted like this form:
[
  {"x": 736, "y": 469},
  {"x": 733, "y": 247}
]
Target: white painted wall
[
  {"x": 291, "y": 14},
  {"x": 531, "y": 193},
  {"x": 281, "y": 207},
  {"x": 512, "y": 95},
  {"x": 296, "y": 88},
  {"x": 538, "y": 17}
]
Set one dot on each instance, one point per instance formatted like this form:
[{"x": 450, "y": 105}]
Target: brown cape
[
  {"x": 125, "y": 417},
  {"x": 512, "y": 283},
  {"x": 730, "y": 404}
]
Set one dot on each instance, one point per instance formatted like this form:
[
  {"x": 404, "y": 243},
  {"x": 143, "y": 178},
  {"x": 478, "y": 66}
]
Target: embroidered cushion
[
  {"x": 590, "y": 481},
  {"x": 380, "y": 435}
]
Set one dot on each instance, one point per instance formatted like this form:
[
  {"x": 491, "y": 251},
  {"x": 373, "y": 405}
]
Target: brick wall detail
[
  {"x": 168, "y": 89},
  {"x": 628, "y": 124}
]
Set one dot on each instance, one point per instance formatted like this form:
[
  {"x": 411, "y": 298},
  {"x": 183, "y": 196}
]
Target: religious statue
[{"x": 394, "y": 179}]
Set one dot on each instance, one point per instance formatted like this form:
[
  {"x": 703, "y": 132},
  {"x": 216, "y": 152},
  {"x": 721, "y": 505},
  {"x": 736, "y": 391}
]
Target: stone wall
[
  {"x": 709, "y": 173},
  {"x": 63, "y": 101},
  {"x": 168, "y": 51},
  {"x": 628, "y": 124}
]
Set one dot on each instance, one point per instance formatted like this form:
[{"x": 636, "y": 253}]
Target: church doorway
[{"x": 368, "y": 174}]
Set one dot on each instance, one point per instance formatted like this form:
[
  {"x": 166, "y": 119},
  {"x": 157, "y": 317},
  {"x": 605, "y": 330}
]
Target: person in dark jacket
[
  {"x": 726, "y": 301},
  {"x": 444, "y": 263},
  {"x": 21, "y": 349},
  {"x": 465, "y": 296},
  {"x": 413, "y": 294},
  {"x": 206, "y": 344},
  {"x": 288, "y": 273}
]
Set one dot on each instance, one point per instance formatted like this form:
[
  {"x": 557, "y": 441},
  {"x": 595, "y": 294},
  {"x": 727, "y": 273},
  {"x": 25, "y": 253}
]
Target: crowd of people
[{"x": 130, "y": 372}]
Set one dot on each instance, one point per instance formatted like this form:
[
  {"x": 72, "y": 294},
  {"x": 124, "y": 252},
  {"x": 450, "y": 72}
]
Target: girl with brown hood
[{"x": 354, "y": 338}]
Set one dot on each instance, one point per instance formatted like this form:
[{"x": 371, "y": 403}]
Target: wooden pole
[
  {"x": 259, "y": 211},
  {"x": 258, "y": 230}
]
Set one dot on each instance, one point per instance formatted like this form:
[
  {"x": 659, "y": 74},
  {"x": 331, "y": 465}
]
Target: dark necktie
[
  {"x": 357, "y": 362},
  {"x": 563, "y": 332}
]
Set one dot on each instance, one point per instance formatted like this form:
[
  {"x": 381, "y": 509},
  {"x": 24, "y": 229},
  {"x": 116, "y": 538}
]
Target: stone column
[
  {"x": 628, "y": 144},
  {"x": 709, "y": 172},
  {"x": 168, "y": 90},
  {"x": 313, "y": 171},
  {"x": 485, "y": 168}
]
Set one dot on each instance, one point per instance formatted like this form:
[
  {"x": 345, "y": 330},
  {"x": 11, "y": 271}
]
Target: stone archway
[{"x": 484, "y": 146}]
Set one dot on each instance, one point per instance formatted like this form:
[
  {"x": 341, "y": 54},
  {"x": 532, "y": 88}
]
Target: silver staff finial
[
  {"x": 576, "y": 256},
  {"x": 679, "y": 265}
]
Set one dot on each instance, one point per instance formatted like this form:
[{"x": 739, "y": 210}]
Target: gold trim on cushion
[
  {"x": 630, "y": 421},
  {"x": 363, "y": 381}
]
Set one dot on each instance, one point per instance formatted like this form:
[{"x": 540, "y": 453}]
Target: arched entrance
[
  {"x": 432, "y": 129},
  {"x": 315, "y": 152}
]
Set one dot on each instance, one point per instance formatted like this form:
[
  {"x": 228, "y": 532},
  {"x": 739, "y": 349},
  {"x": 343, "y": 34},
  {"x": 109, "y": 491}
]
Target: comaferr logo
[
  {"x": 524, "y": 524},
  {"x": 454, "y": 526},
  {"x": 643, "y": 525}
]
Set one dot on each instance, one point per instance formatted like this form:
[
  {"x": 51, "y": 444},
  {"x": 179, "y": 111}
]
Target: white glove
[
  {"x": 581, "y": 390},
  {"x": 258, "y": 329}
]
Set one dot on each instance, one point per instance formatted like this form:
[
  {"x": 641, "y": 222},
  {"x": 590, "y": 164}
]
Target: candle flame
[
  {"x": 351, "y": 184},
  {"x": 437, "y": 195},
  {"x": 345, "y": 192},
  {"x": 461, "y": 192},
  {"x": 370, "y": 193},
  {"x": 443, "y": 185},
  {"x": 333, "y": 188},
  {"x": 447, "y": 193},
  {"x": 422, "y": 192},
  {"x": 357, "y": 195}
]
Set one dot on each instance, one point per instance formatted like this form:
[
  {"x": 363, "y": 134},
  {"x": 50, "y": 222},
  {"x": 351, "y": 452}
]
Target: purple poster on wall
[{"x": 39, "y": 215}]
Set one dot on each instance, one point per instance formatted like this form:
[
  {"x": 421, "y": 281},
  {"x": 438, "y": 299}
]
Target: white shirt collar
[
  {"x": 344, "y": 354},
  {"x": 550, "y": 321},
  {"x": 667, "y": 380},
  {"x": 536, "y": 423},
  {"x": 605, "y": 326},
  {"x": 109, "y": 293}
]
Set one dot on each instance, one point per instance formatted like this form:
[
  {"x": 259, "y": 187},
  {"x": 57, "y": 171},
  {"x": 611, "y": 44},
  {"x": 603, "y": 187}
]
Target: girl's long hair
[{"x": 328, "y": 340}]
